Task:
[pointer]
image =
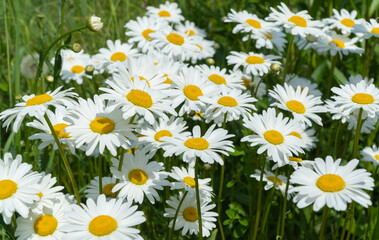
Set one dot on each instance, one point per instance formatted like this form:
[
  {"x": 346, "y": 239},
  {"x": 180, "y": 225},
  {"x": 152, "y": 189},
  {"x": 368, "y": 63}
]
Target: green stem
[
  {"x": 323, "y": 224},
  {"x": 100, "y": 172},
  {"x": 62, "y": 16},
  {"x": 337, "y": 140},
  {"x": 120, "y": 163},
  {"x": 268, "y": 201},
  {"x": 259, "y": 201},
  {"x": 288, "y": 56},
  {"x": 171, "y": 233},
  {"x": 351, "y": 220},
  {"x": 257, "y": 86},
  {"x": 357, "y": 133},
  {"x": 198, "y": 198},
  {"x": 5, "y": 14},
  {"x": 64, "y": 158},
  {"x": 331, "y": 74},
  {"x": 285, "y": 207},
  {"x": 367, "y": 59}
]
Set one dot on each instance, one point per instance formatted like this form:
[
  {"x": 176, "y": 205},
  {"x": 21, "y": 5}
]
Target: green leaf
[
  {"x": 374, "y": 6},
  {"x": 231, "y": 183}
]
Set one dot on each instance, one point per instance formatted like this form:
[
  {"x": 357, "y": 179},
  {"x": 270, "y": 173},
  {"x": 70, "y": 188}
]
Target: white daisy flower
[
  {"x": 187, "y": 219},
  {"x": 92, "y": 191},
  {"x": 46, "y": 224},
  {"x": 207, "y": 147},
  {"x": 296, "y": 162},
  {"x": 269, "y": 178},
  {"x": 300, "y": 23},
  {"x": 304, "y": 107},
  {"x": 113, "y": 219},
  {"x": 295, "y": 81},
  {"x": 371, "y": 154},
  {"x": 29, "y": 65},
  {"x": 334, "y": 43},
  {"x": 16, "y": 194},
  {"x": 191, "y": 29},
  {"x": 253, "y": 82},
  {"x": 354, "y": 79},
  {"x": 331, "y": 184},
  {"x": 343, "y": 21},
  {"x": 96, "y": 126},
  {"x": 218, "y": 76},
  {"x": 271, "y": 38},
  {"x": 139, "y": 177},
  {"x": 167, "y": 67},
  {"x": 304, "y": 43},
  {"x": 370, "y": 29},
  {"x": 168, "y": 12},
  {"x": 367, "y": 126},
  {"x": 135, "y": 97},
  {"x": 273, "y": 134},
  {"x": 73, "y": 67},
  {"x": 204, "y": 50},
  {"x": 36, "y": 106},
  {"x": 307, "y": 137},
  {"x": 59, "y": 125},
  {"x": 185, "y": 179},
  {"x": 253, "y": 63}
]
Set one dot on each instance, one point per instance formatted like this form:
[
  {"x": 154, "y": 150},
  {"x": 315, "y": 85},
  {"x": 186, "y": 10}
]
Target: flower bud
[
  {"x": 95, "y": 24},
  {"x": 50, "y": 78},
  {"x": 210, "y": 61},
  {"x": 89, "y": 69},
  {"x": 275, "y": 67},
  {"x": 76, "y": 47}
]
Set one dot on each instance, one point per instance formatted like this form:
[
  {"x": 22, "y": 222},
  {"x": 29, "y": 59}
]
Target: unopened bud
[
  {"x": 210, "y": 61},
  {"x": 89, "y": 69},
  {"x": 50, "y": 78},
  {"x": 216, "y": 46},
  {"x": 207, "y": 167},
  {"x": 76, "y": 47},
  {"x": 18, "y": 97},
  {"x": 95, "y": 24},
  {"x": 192, "y": 113},
  {"x": 22, "y": 143},
  {"x": 275, "y": 67}
]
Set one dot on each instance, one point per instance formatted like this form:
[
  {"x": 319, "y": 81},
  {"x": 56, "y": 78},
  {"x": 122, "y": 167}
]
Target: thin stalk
[
  {"x": 284, "y": 207},
  {"x": 259, "y": 201},
  {"x": 268, "y": 200},
  {"x": 367, "y": 59},
  {"x": 65, "y": 161},
  {"x": 62, "y": 16},
  {"x": 171, "y": 233},
  {"x": 100, "y": 172},
  {"x": 120, "y": 163},
  {"x": 357, "y": 133},
  {"x": 323, "y": 223},
  {"x": 331, "y": 74},
  {"x": 259, "y": 83},
  {"x": 337, "y": 140},
  {"x": 351, "y": 221},
  {"x": 198, "y": 198},
  {"x": 288, "y": 56},
  {"x": 8, "y": 53}
]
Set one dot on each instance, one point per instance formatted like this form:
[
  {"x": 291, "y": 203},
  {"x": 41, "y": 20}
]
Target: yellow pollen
[
  {"x": 295, "y": 106},
  {"x": 132, "y": 150},
  {"x": 102, "y": 125},
  {"x": 298, "y": 21},
  {"x": 107, "y": 189},
  {"x": 102, "y": 225},
  {"x": 190, "y": 181},
  {"x": 190, "y": 32},
  {"x": 168, "y": 80},
  {"x": 375, "y": 30},
  {"x": 217, "y": 79},
  {"x": 175, "y": 38},
  {"x": 196, "y": 143},
  {"x": 273, "y": 137},
  {"x": 145, "y": 34},
  {"x": 138, "y": 176},
  {"x": 254, "y": 60},
  {"x": 190, "y": 214},
  {"x": 118, "y": 56},
  {"x": 164, "y": 13},
  {"x": 278, "y": 181},
  {"x": 39, "y": 99},
  {"x": 348, "y": 22},
  {"x": 45, "y": 225},
  {"x": 227, "y": 101},
  {"x": 7, "y": 188},
  {"x": 296, "y": 134},
  {"x": 59, "y": 130},
  {"x": 77, "y": 69},
  {"x": 363, "y": 98},
  {"x": 40, "y": 194},
  {"x": 295, "y": 159},
  {"x": 140, "y": 98},
  {"x": 192, "y": 92},
  {"x": 201, "y": 48},
  {"x": 376, "y": 157},
  {"x": 268, "y": 35},
  {"x": 330, "y": 183},
  {"x": 253, "y": 23},
  {"x": 338, "y": 43},
  {"x": 162, "y": 133}
]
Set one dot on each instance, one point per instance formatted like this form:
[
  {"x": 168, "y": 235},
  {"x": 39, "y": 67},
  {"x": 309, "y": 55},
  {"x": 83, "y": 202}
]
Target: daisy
[
  {"x": 331, "y": 184},
  {"x": 269, "y": 178},
  {"x": 304, "y": 43},
  {"x": 135, "y": 97},
  {"x": 168, "y": 12},
  {"x": 204, "y": 50},
  {"x": 295, "y": 81},
  {"x": 92, "y": 191},
  {"x": 371, "y": 154},
  {"x": 273, "y": 134},
  {"x": 59, "y": 125},
  {"x": 343, "y": 21},
  {"x": 190, "y": 29},
  {"x": 307, "y": 137},
  {"x": 94, "y": 23},
  {"x": 370, "y": 29},
  {"x": 97, "y": 126},
  {"x": 36, "y": 106},
  {"x": 16, "y": 194},
  {"x": 296, "y": 162},
  {"x": 187, "y": 219},
  {"x": 304, "y": 107},
  {"x": 253, "y": 63},
  {"x": 334, "y": 43},
  {"x": 167, "y": 67},
  {"x": 218, "y": 76},
  {"x": 73, "y": 68},
  {"x": 207, "y": 147},
  {"x": 255, "y": 82},
  {"x": 139, "y": 177},
  {"x": 271, "y": 38},
  {"x": 46, "y": 224},
  {"x": 352, "y": 97},
  {"x": 185, "y": 179},
  {"x": 113, "y": 219}
]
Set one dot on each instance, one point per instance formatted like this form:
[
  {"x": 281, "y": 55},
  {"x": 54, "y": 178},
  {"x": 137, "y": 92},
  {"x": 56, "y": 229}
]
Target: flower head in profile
[
  {"x": 94, "y": 23},
  {"x": 335, "y": 43},
  {"x": 369, "y": 29},
  {"x": 371, "y": 154}
]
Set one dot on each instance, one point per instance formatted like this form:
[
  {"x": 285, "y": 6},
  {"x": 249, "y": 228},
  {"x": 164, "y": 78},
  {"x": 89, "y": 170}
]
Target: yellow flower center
[
  {"x": 102, "y": 225},
  {"x": 40, "y": 195},
  {"x": 253, "y": 23},
  {"x": 296, "y": 134},
  {"x": 254, "y": 60},
  {"x": 142, "y": 78},
  {"x": 217, "y": 79},
  {"x": 138, "y": 176},
  {"x": 146, "y": 32},
  {"x": 376, "y": 157},
  {"x": 190, "y": 214},
  {"x": 7, "y": 188},
  {"x": 102, "y": 125},
  {"x": 192, "y": 92},
  {"x": 190, "y": 32},
  {"x": 197, "y": 143},
  {"x": 164, "y": 13},
  {"x": 268, "y": 35},
  {"x": 132, "y": 150},
  {"x": 295, "y": 159},
  {"x": 140, "y": 98},
  {"x": 298, "y": 21},
  {"x": 198, "y": 114},
  {"x": 45, "y": 225},
  {"x": 272, "y": 179},
  {"x": 59, "y": 128},
  {"x": 107, "y": 189},
  {"x": 39, "y": 99},
  {"x": 168, "y": 80},
  {"x": 363, "y": 98},
  {"x": 348, "y": 22},
  {"x": 330, "y": 183},
  {"x": 190, "y": 181},
  {"x": 227, "y": 101},
  {"x": 375, "y": 30},
  {"x": 118, "y": 56},
  {"x": 273, "y": 137},
  {"x": 77, "y": 69},
  {"x": 175, "y": 38},
  {"x": 338, "y": 43},
  {"x": 295, "y": 106},
  {"x": 162, "y": 133}
]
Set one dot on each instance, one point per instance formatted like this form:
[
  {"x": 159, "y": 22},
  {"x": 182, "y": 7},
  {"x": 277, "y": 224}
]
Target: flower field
[{"x": 189, "y": 120}]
